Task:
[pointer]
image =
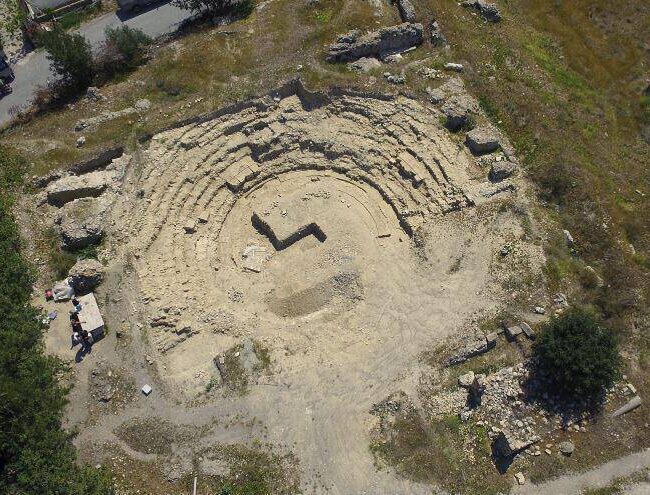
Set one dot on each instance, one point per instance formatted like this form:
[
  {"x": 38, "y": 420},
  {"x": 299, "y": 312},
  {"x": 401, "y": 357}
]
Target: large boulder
[
  {"x": 501, "y": 170},
  {"x": 406, "y": 10},
  {"x": 507, "y": 444},
  {"x": 81, "y": 222},
  {"x": 482, "y": 140},
  {"x": 457, "y": 110},
  {"x": 488, "y": 11},
  {"x": 393, "y": 39},
  {"x": 437, "y": 38},
  {"x": 85, "y": 275},
  {"x": 74, "y": 187}
]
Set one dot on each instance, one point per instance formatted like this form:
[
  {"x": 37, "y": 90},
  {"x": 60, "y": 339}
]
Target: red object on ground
[{"x": 49, "y": 295}]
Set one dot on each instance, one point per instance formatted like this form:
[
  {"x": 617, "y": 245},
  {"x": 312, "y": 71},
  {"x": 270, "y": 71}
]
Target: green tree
[
  {"x": 36, "y": 454},
  {"x": 215, "y": 7},
  {"x": 71, "y": 58},
  {"x": 580, "y": 355},
  {"x": 130, "y": 43}
]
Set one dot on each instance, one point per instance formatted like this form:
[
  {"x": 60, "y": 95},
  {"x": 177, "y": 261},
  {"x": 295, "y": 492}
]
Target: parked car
[
  {"x": 134, "y": 5},
  {"x": 6, "y": 72}
]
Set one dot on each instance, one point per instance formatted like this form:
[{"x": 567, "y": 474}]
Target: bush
[
  {"x": 215, "y": 7},
  {"x": 71, "y": 58},
  {"x": 130, "y": 43},
  {"x": 580, "y": 356},
  {"x": 125, "y": 49},
  {"x": 36, "y": 454}
]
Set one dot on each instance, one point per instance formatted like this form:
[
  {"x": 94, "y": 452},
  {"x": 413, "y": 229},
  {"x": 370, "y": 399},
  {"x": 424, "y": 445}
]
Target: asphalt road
[{"x": 34, "y": 69}]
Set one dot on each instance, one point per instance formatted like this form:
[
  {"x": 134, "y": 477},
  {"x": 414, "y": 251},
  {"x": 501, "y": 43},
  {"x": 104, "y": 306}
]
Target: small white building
[{"x": 90, "y": 318}]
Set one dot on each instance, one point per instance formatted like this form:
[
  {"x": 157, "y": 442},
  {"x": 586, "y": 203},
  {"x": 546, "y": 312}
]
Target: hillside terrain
[{"x": 337, "y": 268}]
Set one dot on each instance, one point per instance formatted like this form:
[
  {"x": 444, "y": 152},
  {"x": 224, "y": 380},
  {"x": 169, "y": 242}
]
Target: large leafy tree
[
  {"x": 214, "y": 7},
  {"x": 71, "y": 58},
  {"x": 579, "y": 354}
]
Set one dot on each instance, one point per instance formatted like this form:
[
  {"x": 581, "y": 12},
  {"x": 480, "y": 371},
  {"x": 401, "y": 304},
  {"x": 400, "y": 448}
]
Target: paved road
[{"x": 34, "y": 70}]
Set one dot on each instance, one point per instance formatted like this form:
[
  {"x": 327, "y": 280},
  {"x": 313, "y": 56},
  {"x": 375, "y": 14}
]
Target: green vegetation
[
  {"x": 579, "y": 355},
  {"x": 130, "y": 43},
  {"x": 255, "y": 471},
  {"x": 438, "y": 452},
  {"x": 124, "y": 50},
  {"x": 71, "y": 59},
  {"x": 36, "y": 454},
  {"x": 215, "y": 7}
]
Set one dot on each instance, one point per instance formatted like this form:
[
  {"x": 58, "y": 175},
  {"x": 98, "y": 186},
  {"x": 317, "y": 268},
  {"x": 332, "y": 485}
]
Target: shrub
[
  {"x": 125, "y": 48},
  {"x": 128, "y": 42},
  {"x": 71, "y": 58},
  {"x": 215, "y": 7},
  {"x": 579, "y": 354}
]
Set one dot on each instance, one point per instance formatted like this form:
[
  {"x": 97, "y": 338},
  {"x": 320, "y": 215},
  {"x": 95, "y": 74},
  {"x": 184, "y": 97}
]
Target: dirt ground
[{"x": 405, "y": 255}]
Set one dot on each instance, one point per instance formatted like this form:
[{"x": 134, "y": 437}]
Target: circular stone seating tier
[{"x": 369, "y": 167}]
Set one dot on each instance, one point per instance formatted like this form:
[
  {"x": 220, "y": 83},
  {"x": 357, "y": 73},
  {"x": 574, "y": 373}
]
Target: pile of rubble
[
  {"x": 379, "y": 44},
  {"x": 488, "y": 11}
]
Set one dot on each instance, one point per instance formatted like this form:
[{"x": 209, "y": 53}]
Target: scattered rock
[
  {"x": 93, "y": 94},
  {"x": 528, "y": 331},
  {"x": 519, "y": 477},
  {"x": 566, "y": 448},
  {"x": 393, "y": 79},
  {"x": 247, "y": 357},
  {"x": 104, "y": 117},
  {"x": 482, "y": 140},
  {"x": 97, "y": 160},
  {"x": 513, "y": 331},
  {"x": 466, "y": 380},
  {"x": 254, "y": 257},
  {"x": 437, "y": 38},
  {"x": 632, "y": 404},
  {"x": 457, "y": 110},
  {"x": 539, "y": 310},
  {"x": 507, "y": 444},
  {"x": 142, "y": 105},
  {"x": 472, "y": 344},
  {"x": 477, "y": 388},
  {"x": 454, "y": 67},
  {"x": 190, "y": 227},
  {"x": 561, "y": 300},
  {"x": 177, "y": 467},
  {"x": 214, "y": 467},
  {"x": 81, "y": 141},
  {"x": 406, "y": 10},
  {"x": 393, "y": 39},
  {"x": 81, "y": 222},
  {"x": 568, "y": 237},
  {"x": 364, "y": 64},
  {"x": 597, "y": 280},
  {"x": 489, "y": 11},
  {"x": 85, "y": 275},
  {"x": 42, "y": 181},
  {"x": 392, "y": 58},
  {"x": 501, "y": 170},
  {"x": 73, "y": 187}
]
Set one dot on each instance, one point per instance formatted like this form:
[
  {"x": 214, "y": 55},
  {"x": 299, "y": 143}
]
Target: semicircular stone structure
[{"x": 217, "y": 198}]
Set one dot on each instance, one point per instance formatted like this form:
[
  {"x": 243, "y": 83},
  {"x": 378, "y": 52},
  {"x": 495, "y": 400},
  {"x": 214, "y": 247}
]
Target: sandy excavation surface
[{"x": 345, "y": 233}]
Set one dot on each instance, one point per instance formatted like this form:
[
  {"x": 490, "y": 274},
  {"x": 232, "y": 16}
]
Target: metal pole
[{"x": 194, "y": 486}]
